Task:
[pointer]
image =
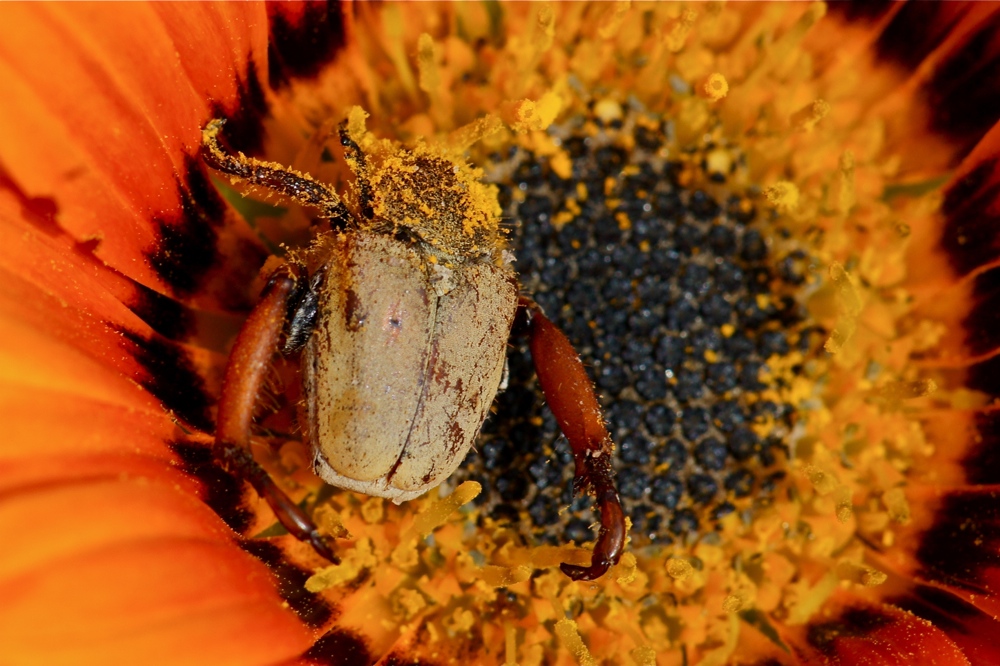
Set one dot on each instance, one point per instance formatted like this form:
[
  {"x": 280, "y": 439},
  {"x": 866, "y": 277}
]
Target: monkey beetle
[{"x": 400, "y": 314}]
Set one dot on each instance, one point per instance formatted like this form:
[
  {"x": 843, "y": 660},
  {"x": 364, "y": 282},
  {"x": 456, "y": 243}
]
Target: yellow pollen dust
[
  {"x": 784, "y": 196},
  {"x": 331, "y": 522},
  {"x": 716, "y": 87},
  {"x": 805, "y": 119},
  {"x": 498, "y": 576},
  {"x": 353, "y": 561},
  {"x": 569, "y": 634},
  {"x": 643, "y": 656},
  {"x": 530, "y": 116},
  {"x": 735, "y": 602},
  {"x": 679, "y": 569},
  {"x": 480, "y": 129},
  {"x": 439, "y": 512},
  {"x": 679, "y": 34}
]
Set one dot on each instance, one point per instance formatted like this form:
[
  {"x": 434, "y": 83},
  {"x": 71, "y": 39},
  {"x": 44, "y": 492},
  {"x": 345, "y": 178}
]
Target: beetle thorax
[{"x": 426, "y": 196}]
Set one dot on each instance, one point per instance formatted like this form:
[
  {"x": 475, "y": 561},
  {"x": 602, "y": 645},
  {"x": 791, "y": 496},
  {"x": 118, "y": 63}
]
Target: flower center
[{"x": 661, "y": 274}]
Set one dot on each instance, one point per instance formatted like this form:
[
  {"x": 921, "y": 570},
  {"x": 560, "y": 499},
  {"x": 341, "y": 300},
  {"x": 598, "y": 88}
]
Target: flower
[{"x": 809, "y": 472}]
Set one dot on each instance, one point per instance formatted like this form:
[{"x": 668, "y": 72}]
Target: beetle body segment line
[{"x": 401, "y": 370}]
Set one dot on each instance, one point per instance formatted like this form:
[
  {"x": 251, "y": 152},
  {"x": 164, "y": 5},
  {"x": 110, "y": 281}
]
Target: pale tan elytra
[{"x": 400, "y": 375}]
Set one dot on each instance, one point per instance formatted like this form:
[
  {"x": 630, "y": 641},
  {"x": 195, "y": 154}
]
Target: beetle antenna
[
  {"x": 273, "y": 177},
  {"x": 362, "y": 172}
]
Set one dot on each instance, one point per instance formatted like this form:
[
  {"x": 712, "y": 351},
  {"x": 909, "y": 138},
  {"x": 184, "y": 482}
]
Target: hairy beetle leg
[
  {"x": 272, "y": 177},
  {"x": 364, "y": 186},
  {"x": 570, "y": 395},
  {"x": 245, "y": 373}
]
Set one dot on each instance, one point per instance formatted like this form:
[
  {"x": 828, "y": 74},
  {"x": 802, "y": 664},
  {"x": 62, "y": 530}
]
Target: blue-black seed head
[{"x": 675, "y": 302}]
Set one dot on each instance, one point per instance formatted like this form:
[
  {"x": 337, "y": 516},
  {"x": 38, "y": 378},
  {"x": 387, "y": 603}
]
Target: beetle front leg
[
  {"x": 245, "y": 373},
  {"x": 271, "y": 177},
  {"x": 570, "y": 395}
]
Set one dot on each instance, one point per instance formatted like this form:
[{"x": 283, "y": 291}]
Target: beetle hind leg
[
  {"x": 570, "y": 395},
  {"x": 239, "y": 461},
  {"x": 245, "y": 373}
]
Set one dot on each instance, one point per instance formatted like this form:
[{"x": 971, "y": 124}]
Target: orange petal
[
  {"x": 112, "y": 551},
  {"x": 861, "y": 634},
  {"x": 111, "y": 139},
  {"x": 971, "y": 629}
]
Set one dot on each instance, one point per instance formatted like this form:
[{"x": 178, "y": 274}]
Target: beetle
[{"x": 401, "y": 315}]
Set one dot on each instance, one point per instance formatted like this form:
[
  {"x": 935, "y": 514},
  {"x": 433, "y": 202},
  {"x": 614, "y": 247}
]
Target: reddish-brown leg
[
  {"x": 570, "y": 395},
  {"x": 245, "y": 373}
]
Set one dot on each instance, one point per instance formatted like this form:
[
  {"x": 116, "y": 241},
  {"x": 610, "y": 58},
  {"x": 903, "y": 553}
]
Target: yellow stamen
[
  {"x": 784, "y": 196},
  {"x": 850, "y": 306},
  {"x": 428, "y": 70},
  {"x": 716, "y": 87},
  {"x": 679, "y": 569},
  {"x": 569, "y": 635},
  {"x": 806, "y": 118}
]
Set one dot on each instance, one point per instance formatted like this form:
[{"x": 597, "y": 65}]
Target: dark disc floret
[{"x": 675, "y": 300}]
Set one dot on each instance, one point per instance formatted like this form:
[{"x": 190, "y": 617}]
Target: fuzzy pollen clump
[{"x": 422, "y": 191}]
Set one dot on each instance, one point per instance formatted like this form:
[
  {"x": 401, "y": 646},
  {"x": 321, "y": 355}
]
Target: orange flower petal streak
[
  {"x": 110, "y": 555},
  {"x": 102, "y": 107},
  {"x": 952, "y": 552},
  {"x": 101, "y": 527},
  {"x": 944, "y": 566},
  {"x": 870, "y": 635}
]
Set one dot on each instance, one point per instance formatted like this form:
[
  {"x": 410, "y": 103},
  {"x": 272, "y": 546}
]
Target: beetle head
[{"x": 423, "y": 194}]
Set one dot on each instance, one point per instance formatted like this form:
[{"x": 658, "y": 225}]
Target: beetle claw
[
  {"x": 593, "y": 572},
  {"x": 297, "y": 521},
  {"x": 324, "y": 546},
  {"x": 610, "y": 541}
]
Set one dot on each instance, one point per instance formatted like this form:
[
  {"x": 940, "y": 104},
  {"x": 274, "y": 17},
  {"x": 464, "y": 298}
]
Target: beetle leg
[
  {"x": 570, "y": 395},
  {"x": 245, "y": 372},
  {"x": 364, "y": 187},
  {"x": 298, "y": 187},
  {"x": 303, "y": 308}
]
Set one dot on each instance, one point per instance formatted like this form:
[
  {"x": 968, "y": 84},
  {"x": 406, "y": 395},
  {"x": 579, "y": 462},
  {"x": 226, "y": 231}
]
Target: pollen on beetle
[{"x": 424, "y": 190}]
